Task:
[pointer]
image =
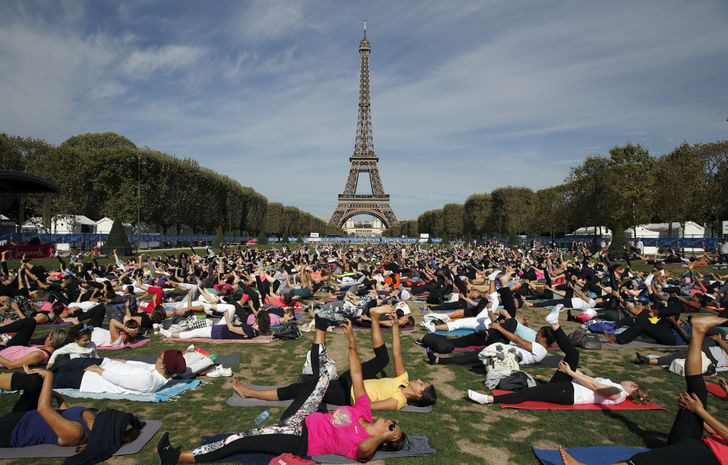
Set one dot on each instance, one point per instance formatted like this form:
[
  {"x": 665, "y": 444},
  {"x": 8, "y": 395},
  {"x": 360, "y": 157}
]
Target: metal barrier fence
[{"x": 706, "y": 243}]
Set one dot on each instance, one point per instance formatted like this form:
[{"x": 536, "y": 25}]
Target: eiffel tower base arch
[{"x": 353, "y": 206}]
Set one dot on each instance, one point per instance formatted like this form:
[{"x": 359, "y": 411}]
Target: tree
[
  {"x": 117, "y": 240},
  {"x": 476, "y": 211},
  {"x": 452, "y": 218},
  {"x": 633, "y": 181},
  {"x": 550, "y": 211},
  {"x": 587, "y": 198},
  {"x": 512, "y": 211},
  {"x": 715, "y": 162},
  {"x": 679, "y": 195}
]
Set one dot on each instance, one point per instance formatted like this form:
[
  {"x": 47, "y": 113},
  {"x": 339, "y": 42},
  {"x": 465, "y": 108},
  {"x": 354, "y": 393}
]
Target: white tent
[
  {"x": 692, "y": 229},
  {"x": 62, "y": 224},
  {"x": 589, "y": 231},
  {"x": 645, "y": 233},
  {"x": 103, "y": 226},
  {"x": 642, "y": 231}
]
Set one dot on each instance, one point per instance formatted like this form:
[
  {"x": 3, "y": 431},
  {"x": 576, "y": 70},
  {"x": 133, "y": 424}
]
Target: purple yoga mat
[{"x": 49, "y": 450}]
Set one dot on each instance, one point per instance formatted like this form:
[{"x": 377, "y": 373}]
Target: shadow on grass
[{"x": 652, "y": 439}]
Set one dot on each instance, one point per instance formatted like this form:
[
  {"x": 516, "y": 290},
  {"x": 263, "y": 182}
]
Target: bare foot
[
  {"x": 568, "y": 459},
  {"x": 240, "y": 388},
  {"x": 704, "y": 323},
  {"x": 611, "y": 338},
  {"x": 724, "y": 384}
]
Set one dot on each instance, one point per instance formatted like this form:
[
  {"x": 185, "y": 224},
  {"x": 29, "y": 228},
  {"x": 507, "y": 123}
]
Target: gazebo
[{"x": 19, "y": 182}]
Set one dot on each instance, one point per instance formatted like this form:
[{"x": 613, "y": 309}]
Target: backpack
[
  {"x": 583, "y": 338},
  {"x": 516, "y": 381},
  {"x": 288, "y": 331}
]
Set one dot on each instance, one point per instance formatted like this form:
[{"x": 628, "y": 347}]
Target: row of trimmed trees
[
  {"x": 105, "y": 174},
  {"x": 627, "y": 188}
]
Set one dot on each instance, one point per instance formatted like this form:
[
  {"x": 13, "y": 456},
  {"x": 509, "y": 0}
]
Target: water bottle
[{"x": 262, "y": 417}]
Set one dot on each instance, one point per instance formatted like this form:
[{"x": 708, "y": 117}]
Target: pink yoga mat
[
  {"x": 457, "y": 349},
  {"x": 717, "y": 391},
  {"x": 133, "y": 345},
  {"x": 626, "y": 405},
  {"x": 255, "y": 340}
]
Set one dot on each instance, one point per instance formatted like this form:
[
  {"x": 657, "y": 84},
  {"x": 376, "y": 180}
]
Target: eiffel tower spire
[
  {"x": 363, "y": 159},
  {"x": 364, "y": 142}
]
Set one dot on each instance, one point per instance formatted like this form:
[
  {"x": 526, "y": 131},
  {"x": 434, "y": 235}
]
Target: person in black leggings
[
  {"x": 503, "y": 331},
  {"x": 23, "y": 330},
  {"x": 293, "y": 433},
  {"x": 560, "y": 389},
  {"x": 685, "y": 443},
  {"x": 416, "y": 392}
]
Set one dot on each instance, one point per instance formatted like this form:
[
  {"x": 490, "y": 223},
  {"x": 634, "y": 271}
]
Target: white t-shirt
[
  {"x": 102, "y": 337},
  {"x": 123, "y": 378},
  {"x": 584, "y": 395},
  {"x": 719, "y": 355},
  {"x": 538, "y": 352},
  {"x": 85, "y": 306},
  {"x": 582, "y": 304}
]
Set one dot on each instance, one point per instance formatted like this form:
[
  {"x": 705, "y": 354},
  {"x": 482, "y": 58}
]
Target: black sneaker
[{"x": 642, "y": 359}]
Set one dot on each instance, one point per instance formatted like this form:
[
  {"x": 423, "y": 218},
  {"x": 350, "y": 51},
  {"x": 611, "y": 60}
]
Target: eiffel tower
[{"x": 363, "y": 160}]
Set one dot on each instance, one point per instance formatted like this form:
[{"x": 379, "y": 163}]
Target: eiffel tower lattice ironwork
[{"x": 364, "y": 160}]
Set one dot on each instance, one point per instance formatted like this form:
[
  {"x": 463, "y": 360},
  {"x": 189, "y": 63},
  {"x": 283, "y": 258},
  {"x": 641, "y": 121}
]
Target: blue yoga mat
[
  {"x": 171, "y": 390},
  {"x": 457, "y": 332},
  {"x": 597, "y": 455}
]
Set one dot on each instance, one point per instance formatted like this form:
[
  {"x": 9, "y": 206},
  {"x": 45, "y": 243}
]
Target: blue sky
[{"x": 466, "y": 96}]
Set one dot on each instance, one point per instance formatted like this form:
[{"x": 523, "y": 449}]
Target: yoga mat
[
  {"x": 416, "y": 446},
  {"x": 598, "y": 455},
  {"x": 227, "y": 360},
  {"x": 384, "y": 328},
  {"x": 653, "y": 345},
  {"x": 478, "y": 348},
  {"x": 716, "y": 390},
  {"x": 533, "y": 405},
  {"x": 236, "y": 401},
  {"x": 549, "y": 361},
  {"x": 255, "y": 340},
  {"x": 172, "y": 389},
  {"x": 133, "y": 345},
  {"x": 49, "y": 450},
  {"x": 457, "y": 332}
]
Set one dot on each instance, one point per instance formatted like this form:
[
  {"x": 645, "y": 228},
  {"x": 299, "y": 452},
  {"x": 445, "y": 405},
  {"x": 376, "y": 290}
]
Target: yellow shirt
[{"x": 385, "y": 388}]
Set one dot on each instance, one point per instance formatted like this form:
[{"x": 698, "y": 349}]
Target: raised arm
[
  {"x": 514, "y": 338},
  {"x": 69, "y": 432},
  {"x": 357, "y": 378},
  {"x": 399, "y": 368},
  {"x": 608, "y": 392}
]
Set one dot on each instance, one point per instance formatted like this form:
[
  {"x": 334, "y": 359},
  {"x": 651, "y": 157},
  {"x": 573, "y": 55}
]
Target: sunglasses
[{"x": 393, "y": 425}]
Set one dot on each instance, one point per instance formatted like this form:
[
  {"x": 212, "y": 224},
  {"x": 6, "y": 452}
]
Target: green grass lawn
[{"x": 461, "y": 431}]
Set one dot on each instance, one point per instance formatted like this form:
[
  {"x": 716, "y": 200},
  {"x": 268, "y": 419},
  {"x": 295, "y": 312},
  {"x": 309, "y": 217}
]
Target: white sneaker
[
  {"x": 493, "y": 275},
  {"x": 165, "y": 333},
  {"x": 218, "y": 372},
  {"x": 482, "y": 399},
  {"x": 429, "y": 325},
  {"x": 553, "y": 317}
]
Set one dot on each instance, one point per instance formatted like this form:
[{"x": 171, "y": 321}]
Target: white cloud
[
  {"x": 268, "y": 19},
  {"x": 141, "y": 64}
]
